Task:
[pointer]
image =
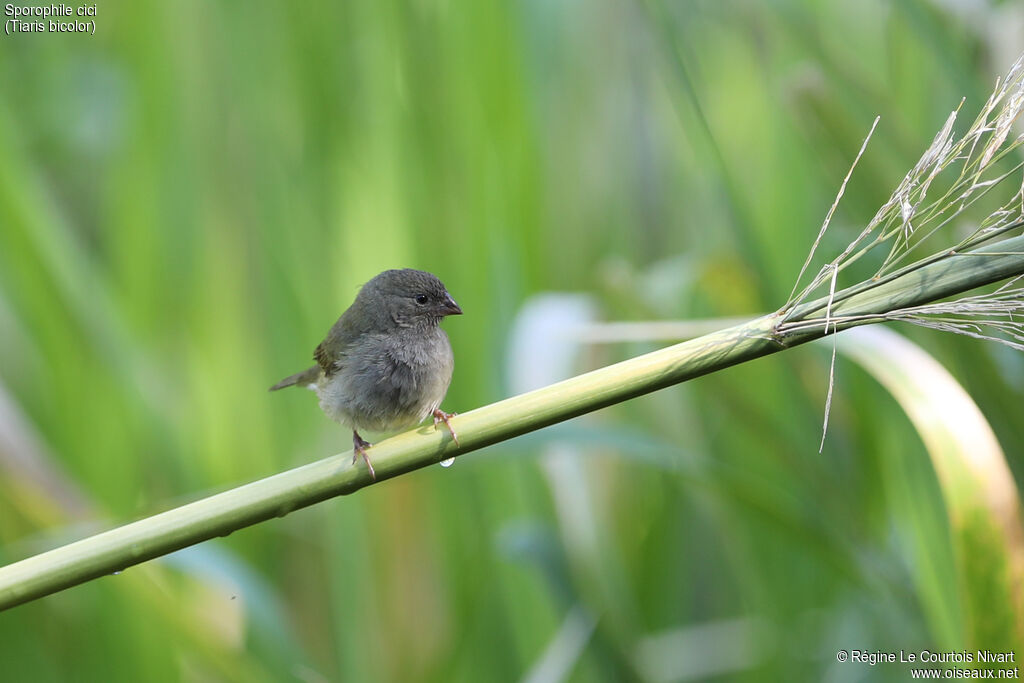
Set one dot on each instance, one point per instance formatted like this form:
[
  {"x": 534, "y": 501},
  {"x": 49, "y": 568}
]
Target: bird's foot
[
  {"x": 359, "y": 446},
  {"x": 441, "y": 416}
]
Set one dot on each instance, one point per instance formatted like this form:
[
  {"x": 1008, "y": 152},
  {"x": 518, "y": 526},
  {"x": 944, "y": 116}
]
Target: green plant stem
[{"x": 277, "y": 495}]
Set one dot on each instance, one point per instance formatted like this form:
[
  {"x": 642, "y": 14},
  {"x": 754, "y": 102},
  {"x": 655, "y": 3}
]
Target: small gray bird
[{"x": 386, "y": 364}]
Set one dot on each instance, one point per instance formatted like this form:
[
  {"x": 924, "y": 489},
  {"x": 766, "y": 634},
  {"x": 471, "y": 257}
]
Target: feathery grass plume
[{"x": 971, "y": 168}]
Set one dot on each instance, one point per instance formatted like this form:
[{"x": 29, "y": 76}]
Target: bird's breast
[{"x": 389, "y": 381}]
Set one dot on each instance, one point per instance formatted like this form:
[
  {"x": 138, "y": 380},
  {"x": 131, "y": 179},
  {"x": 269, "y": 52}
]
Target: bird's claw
[
  {"x": 441, "y": 416},
  {"x": 359, "y": 446}
]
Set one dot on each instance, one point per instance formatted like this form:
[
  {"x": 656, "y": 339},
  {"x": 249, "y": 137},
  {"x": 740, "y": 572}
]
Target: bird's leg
[
  {"x": 441, "y": 416},
  {"x": 359, "y": 446}
]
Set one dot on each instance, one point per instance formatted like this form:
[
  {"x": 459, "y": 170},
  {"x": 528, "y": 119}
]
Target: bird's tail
[{"x": 305, "y": 378}]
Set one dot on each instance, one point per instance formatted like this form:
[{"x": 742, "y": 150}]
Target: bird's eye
[{"x": 421, "y": 299}]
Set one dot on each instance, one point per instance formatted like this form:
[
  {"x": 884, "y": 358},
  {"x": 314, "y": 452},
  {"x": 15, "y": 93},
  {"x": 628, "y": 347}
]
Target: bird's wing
[
  {"x": 330, "y": 353},
  {"x": 324, "y": 357},
  {"x": 345, "y": 336}
]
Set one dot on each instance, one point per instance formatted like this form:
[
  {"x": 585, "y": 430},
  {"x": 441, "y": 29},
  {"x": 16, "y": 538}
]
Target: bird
[{"x": 386, "y": 363}]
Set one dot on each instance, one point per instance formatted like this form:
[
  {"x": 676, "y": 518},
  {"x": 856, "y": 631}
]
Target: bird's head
[{"x": 410, "y": 298}]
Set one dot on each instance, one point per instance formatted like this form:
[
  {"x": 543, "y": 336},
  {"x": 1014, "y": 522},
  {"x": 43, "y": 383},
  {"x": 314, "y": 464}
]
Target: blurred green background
[{"x": 189, "y": 198}]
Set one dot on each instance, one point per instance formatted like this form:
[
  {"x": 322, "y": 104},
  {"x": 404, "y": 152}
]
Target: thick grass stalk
[{"x": 276, "y": 496}]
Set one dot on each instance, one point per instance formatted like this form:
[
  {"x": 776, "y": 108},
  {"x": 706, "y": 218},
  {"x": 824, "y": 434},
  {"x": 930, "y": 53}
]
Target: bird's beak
[{"x": 450, "y": 307}]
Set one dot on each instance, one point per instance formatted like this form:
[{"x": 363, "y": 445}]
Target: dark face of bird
[{"x": 412, "y": 298}]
